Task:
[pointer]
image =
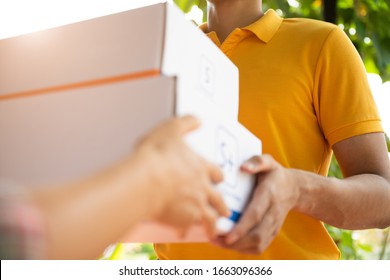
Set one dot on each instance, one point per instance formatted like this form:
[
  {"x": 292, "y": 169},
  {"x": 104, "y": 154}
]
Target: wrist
[
  {"x": 311, "y": 189},
  {"x": 302, "y": 190},
  {"x": 151, "y": 181}
]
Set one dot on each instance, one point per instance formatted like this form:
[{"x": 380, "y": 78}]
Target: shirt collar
[{"x": 264, "y": 28}]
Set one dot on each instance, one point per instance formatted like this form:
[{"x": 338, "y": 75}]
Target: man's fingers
[
  {"x": 258, "y": 164},
  {"x": 261, "y": 236},
  {"x": 251, "y": 217}
]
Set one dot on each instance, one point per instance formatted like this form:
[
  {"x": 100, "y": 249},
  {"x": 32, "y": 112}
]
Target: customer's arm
[{"x": 163, "y": 179}]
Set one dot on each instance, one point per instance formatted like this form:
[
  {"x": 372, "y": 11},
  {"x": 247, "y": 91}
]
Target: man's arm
[{"x": 360, "y": 201}]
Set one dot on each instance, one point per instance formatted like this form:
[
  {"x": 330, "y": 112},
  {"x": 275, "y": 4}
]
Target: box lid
[{"x": 110, "y": 46}]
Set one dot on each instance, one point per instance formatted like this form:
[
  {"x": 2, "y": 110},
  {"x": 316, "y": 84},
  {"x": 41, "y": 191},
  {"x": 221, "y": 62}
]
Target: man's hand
[
  {"x": 359, "y": 201},
  {"x": 274, "y": 196}
]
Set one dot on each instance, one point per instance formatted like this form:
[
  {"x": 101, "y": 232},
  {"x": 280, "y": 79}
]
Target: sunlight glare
[{"x": 24, "y": 16}]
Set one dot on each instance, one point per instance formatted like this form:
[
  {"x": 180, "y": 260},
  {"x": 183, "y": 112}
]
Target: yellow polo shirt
[{"x": 303, "y": 88}]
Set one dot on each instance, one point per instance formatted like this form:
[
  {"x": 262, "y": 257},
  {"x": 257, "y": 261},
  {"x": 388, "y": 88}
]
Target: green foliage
[
  {"x": 186, "y": 6},
  {"x": 344, "y": 240},
  {"x": 371, "y": 21},
  {"x": 334, "y": 169},
  {"x": 388, "y": 143},
  {"x": 370, "y": 244},
  {"x": 147, "y": 248},
  {"x": 129, "y": 251}
]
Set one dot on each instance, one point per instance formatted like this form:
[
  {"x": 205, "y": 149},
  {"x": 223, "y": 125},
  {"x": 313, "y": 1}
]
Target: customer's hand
[{"x": 183, "y": 191}]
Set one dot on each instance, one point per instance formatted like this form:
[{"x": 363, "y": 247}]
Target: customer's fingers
[{"x": 185, "y": 124}]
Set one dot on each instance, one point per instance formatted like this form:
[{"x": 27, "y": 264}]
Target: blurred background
[{"x": 366, "y": 22}]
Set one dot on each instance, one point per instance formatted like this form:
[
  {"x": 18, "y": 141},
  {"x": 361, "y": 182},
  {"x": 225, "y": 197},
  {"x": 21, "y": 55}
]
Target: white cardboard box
[
  {"x": 74, "y": 99},
  {"x": 72, "y": 134},
  {"x": 149, "y": 41}
]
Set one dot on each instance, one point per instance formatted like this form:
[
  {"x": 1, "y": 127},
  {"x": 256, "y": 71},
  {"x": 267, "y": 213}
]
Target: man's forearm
[{"x": 357, "y": 202}]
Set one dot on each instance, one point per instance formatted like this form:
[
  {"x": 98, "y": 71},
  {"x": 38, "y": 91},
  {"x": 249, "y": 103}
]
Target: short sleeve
[{"x": 342, "y": 97}]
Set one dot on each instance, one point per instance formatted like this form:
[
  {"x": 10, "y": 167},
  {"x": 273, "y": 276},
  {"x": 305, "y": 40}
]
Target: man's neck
[{"x": 224, "y": 16}]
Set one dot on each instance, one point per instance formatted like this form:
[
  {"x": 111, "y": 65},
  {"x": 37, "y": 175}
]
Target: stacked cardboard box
[{"x": 74, "y": 99}]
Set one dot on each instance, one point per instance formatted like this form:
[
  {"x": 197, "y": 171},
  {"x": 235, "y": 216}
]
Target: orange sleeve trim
[
  {"x": 83, "y": 84},
  {"x": 355, "y": 129}
]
